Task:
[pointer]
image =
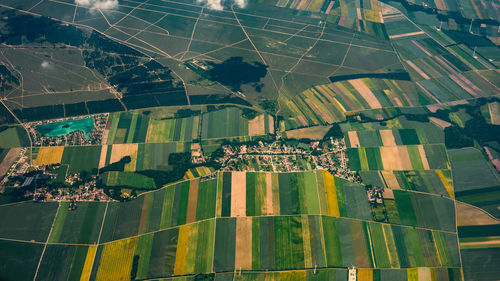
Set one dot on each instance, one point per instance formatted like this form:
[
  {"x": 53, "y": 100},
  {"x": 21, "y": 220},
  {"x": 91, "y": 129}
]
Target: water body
[{"x": 63, "y": 128}]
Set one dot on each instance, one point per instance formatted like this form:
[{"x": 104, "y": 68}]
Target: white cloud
[
  {"x": 219, "y": 4},
  {"x": 98, "y": 4},
  {"x": 212, "y": 4},
  {"x": 46, "y": 65},
  {"x": 241, "y": 3}
]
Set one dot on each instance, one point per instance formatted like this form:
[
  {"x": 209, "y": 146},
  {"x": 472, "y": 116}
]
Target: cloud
[
  {"x": 241, "y": 3},
  {"x": 98, "y": 4},
  {"x": 219, "y": 4},
  {"x": 46, "y": 65}
]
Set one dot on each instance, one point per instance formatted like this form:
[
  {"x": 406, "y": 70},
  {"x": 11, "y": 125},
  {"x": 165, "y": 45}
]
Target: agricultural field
[
  {"x": 313, "y": 133},
  {"x": 129, "y": 179},
  {"x": 265, "y": 193},
  {"x": 480, "y": 247},
  {"x": 49, "y": 155},
  {"x": 80, "y": 226},
  {"x": 81, "y": 158},
  {"x": 424, "y": 210},
  {"x": 329, "y": 103},
  {"x": 407, "y": 136},
  {"x": 174, "y": 205},
  {"x": 398, "y": 158},
  {"x": 428, "y": 181},
  {"x": 182, "y": 129},
  {"x": 254, "y": 221},
  {"x": 13, "y": 137},
  {"x": 28, "y": 221},
  {"x": 476, "y": 181},
  {"x": 229, "y": 123},
  {"x": 19, "y": 260},
  {"x": 127, "y": 127},
  {"x": 362, "y": 274},
  {"x": 198, "y": 172},
  {"x": 411, "y": 89}
]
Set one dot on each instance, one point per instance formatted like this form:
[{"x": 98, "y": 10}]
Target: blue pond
[{"x": 63, "y": 128}]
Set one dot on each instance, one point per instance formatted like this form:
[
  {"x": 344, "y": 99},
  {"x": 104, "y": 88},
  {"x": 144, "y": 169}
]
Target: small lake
[{"x": 63, "y": 128}]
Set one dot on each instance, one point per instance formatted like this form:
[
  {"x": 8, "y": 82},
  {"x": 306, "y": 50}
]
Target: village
[{"x": 285, "y": 156}]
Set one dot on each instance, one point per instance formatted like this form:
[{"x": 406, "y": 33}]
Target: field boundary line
[
  {"x": 46, "y": 242},
  {"x": 192, "y": 35},
  {"x": 98, "y": 238},
  {"x": 255, "y": 47}
]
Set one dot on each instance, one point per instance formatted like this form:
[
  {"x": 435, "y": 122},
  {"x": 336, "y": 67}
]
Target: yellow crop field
[
  {"x": 118, "y": 151},
  {"x": 116, "y": 260},
  {"x": 331, "y": 194},
  {"x": 306, "y": 236},
  {"x": 191, "y": 249},
  {"x": 365, "y": 274},
  {"x": 446, "y": 183},
  {"x": 181, "y": 253},
  {"x": 49, "y": 155},
  {"x": 89, "y": 261}
]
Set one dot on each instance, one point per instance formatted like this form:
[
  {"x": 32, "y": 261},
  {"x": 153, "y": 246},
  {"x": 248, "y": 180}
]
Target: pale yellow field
[
  {"x": 49, "y": 155},
  {"x": 353, "y": 138},
  {"x": 469, "y": 215},
  {"x": 116, "y": 260},
  {"x": 387, "y": 137},
  {"x": 238, "y": 194},
  {"x": 102, "y": 160},
  {"x": 405, "y": 158},
  {"x": 365, "y": 92},
  {"x": 438, "y": 122},
  {"x": 418, "y": 70},
  {"x": 395, "y": 158},
  {"x": 118, "y": 151},
  {"x": 243, "y": 255},
  {"x": 269, "y": 195},
  {"x": 424, "y": 273},
  {"x": 256, "y": 126},
  {"x": 314, "y": 133},
  {"x": 9, "y": 159},
  {"x": 423, "y": 157},
  {"x": 275, "y": 191},
  {"x": 390, "y": 179},
  {"x": 406, "y": 34}
]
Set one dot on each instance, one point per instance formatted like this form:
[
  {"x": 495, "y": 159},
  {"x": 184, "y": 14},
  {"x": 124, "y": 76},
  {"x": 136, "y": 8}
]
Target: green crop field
[
  {"x": 81, "y": 225},
  {"x": 194, "y": 227},
  {"x": 81, "y": 158},
  {"x": 27, "y": 220},
  {"x": 127, "y": 127},
  {"x": 405, "y": 95},
  {"x": 129, "y": 179}
]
